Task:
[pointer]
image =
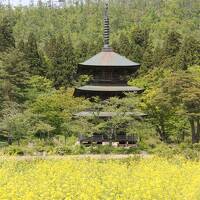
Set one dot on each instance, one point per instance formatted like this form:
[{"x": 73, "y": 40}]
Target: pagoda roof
[
  {"x": 110, "y": 88},
  {"x": 109, "y": 58},
  {"x": 107, "y": 114}
]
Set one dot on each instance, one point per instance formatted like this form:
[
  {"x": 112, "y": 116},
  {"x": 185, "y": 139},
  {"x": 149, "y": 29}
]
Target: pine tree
[
  {"x": 189, "y": 53},
  {"x": 6, "y": 34},
  {"x": 140, "y": 36},
  {"x": 115, "y": 45},
  {"x": 62, "y": 61},
  {"x": 1, "y": 95},
  {"x": 138, "y": 53},
  {"x": 124, "y": 45},
  {"x": 21, "y": 46},
  {"x": 138, "y": 43},
  {"x": 172, "y": 44},
  {"x": 148, "y": 58},
  {"x": 157, "y": 56},
  {"x": 82, "y": 51},
  {"x": 95, "y": 45},
  {"x": 71, "y": 61},
  {"x": 14, "y": 75},
  {"x": 33, "y": 56}
]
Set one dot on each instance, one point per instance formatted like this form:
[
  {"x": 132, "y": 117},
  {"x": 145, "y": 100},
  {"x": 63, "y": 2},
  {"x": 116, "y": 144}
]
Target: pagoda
[{"x": 109, "y": 71}]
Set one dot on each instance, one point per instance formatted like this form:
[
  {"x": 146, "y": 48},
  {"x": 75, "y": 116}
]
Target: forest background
[{"x": 40, "y": 48}]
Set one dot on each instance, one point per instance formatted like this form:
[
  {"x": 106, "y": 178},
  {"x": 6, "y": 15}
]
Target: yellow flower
[{"x": 86, "y": 179}]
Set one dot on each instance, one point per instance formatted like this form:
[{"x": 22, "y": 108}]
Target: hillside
[{"x": 40, "y": 48}]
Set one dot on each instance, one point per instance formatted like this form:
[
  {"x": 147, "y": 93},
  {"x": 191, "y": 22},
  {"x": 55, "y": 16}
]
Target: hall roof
[{"x": 110, "y": 88}]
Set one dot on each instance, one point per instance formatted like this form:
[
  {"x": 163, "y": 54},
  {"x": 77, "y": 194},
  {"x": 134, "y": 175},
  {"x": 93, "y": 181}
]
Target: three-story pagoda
[{"x": 109, "y": 71}]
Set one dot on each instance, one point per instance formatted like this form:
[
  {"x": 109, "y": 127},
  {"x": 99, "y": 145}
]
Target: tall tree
[
  {"x": 33, "y": 57},
  {"x": 140, "y": 36},
  {"x": 189, "y": 53},
  {"x": 62, "y": 61},
  {"x": 82, "y": 50},
  {"x": 138, "y": 43},
  {"x": 184, "y": 91},
  {"x": 14, "y": 75},
  {"x": 148, "y": 58},
  {"x": 124, "y": 45},
  {"x": 6, "y": 34},
  {"x": 58, "y": 108},
  {"x": 172, "y": 44}
]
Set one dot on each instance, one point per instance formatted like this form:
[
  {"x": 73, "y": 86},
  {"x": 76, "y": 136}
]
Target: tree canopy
[{"x": 40, "y": 48}]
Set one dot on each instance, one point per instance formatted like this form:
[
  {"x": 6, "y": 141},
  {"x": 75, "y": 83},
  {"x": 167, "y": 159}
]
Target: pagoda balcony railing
[{"x": 113, "y": 81}]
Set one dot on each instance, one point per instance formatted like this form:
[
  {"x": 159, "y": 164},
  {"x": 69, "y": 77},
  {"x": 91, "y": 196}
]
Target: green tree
[
  {"x": 36, "y": 86},
  {"x": 62, "y": 61},
  {"x": 139, "y": 38},
  {"x": 124, "y": 44},
  {"x": 32, "y": 56},
  {"x": 189, "y": 53},
  {"x": 167, "y": 118},
  {"x": 57, "y": 108},
  {"x": 43, "y": 130},
  {"x": 16, "y": 125},
  {"x": 160, "y": 111},
  {"x": 148, "y": 58},
  {"x": 6, "y": 34},
  {"x": 184, "y": 91},
  {"x": 82, "y": 51},
  {"x": 14, "y": 75},
  {"x": 21, "y": 46},
  {"x": 172, "y": 44}
]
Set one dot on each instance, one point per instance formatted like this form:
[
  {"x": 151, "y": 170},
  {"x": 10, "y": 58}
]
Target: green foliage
[
  {"x": 6, "y": 33},
  {"x": 57, "y": 108},
  {"x": 62, "y": 61},
  {"x": 172, "y": 103},
  {"x": 14, "y": 75},
  {"x": 40, "y": 48},
  {"x": 32, "y": 56},
  {"x": 17, "y": 125},
  {"x": 172, "y": 44},
  {"x": 36, "y": 86},
  {"x": 189, "y": 54}
]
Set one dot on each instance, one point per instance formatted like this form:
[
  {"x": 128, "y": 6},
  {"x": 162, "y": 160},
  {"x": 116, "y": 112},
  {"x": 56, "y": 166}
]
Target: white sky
[
  {"x": 22, "y": 2},
  {"x": 16, "y": 2}
]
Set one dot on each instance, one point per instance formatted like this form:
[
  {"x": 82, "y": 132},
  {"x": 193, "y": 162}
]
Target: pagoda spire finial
[{"x": 106, "y": 30}]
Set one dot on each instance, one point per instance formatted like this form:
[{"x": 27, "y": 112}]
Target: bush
[
  {"x": 80, "y": 149},
  {"x": 196, "y": 146},
  {"x": 99, "y": 149},
  {"x": 63, "y": 150},
  {"x": 191, "y": 154},
  {"x": 15, "y": 150},
  {"x": 3, "y": 144}
]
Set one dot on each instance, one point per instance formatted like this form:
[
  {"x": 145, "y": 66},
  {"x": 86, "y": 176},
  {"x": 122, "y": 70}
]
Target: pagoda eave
[
  {"x": 105, "y": 92},
  {"x": 108, "y": 114},
  {"x": 109, "y": 59},
  {"x": 107, "y": 88}
]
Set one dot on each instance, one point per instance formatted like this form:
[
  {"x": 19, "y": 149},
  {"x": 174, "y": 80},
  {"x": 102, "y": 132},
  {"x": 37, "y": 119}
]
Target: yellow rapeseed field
[{"x": 89, "y": 179}]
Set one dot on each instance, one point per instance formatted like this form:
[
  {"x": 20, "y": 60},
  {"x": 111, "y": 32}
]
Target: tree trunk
[
  {"x": 198, "y": 129},
  {"x": 192, "y": 124},
  {"x": 162, "y": 134},
  {"x": 48, "y": 135},
  {"x": 10, "y": 140},
  {"x": 18, "y": 142},
  {"x": 65, "y": 140}
]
